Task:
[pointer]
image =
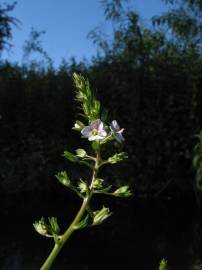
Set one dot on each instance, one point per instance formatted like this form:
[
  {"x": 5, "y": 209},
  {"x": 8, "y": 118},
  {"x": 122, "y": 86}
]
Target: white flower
[
  {"x": 116, "y": 131},
  {"x": 95, "y": 131}
]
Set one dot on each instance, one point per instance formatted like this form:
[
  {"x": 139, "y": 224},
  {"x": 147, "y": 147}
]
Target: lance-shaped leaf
[
  {"x": 104, "y": 190},
  {"x": 80, "y": 153},
  {"x": 63, "y": 178},
  {"x": 101, "y": 215},
  {"x": 41, "y": 227},
  {"x": 83, "y": 223},
  {"x": 71, "y": 157},
  {"x": 117, "y": 157},
  {"x": 54, "y": 227},
  {"x": 122, "y": 192},
  {"x": 107, "y": 139}
]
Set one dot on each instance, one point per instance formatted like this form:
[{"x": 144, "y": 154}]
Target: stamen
[{"x": 94, "y": 132}]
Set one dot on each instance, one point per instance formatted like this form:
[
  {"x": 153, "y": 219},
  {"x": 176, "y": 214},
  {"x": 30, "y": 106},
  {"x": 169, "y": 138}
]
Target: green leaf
[
  {"x": 71, "y": 157},
  {"x": 80, "y": 153},
  {"x": 105, "y": 190},
  {"x": 122, "y": 192},
  {"x": 82, "y": 224},
  {"x": 101, "y": 215},
  {"x": 109, "y": 138},
  {"x": 63, "y": 178},
  {"x": 55, "y": 229},
  {"x": 117, "y": 158}
]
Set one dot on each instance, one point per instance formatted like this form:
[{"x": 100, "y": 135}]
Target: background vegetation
[{"x": 150, "y": 78}]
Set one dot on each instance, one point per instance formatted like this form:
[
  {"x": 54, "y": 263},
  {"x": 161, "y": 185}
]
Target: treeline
[{"x": 149, "y": 78}]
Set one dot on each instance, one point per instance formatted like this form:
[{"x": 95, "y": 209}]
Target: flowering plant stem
[
  {"x": 98, "y": 132},
  {"x": 62, "y": 239}
]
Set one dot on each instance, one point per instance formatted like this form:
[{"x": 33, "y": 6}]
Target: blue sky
[{"x": 67, "y": 23}]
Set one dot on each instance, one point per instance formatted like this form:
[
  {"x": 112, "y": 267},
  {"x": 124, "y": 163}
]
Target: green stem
[{"x": 60, "y": 243}]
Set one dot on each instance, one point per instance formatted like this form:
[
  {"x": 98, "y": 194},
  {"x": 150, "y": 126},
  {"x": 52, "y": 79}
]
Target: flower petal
[
  {"x": 92, "y": 138},
  {"x": 98, "y": 137},
  {"x": 119, "y": 137},
  {"x": 115, "y": 125},
  {"x": 86, "y": 131},
  {"x": 101, "y": 126},
  {"x": 102, "y": 133},
  {"x": 95, "y": 124}
]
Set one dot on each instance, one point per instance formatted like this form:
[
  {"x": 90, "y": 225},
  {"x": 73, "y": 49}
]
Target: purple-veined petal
[
  {"x": 86, "y": 131},
  {"x": 120, "y": 131},
  {"x": 116, "y": 131},
  {"x": 95, "y": 124},
  {"x": 95, "y": 131},
  {"x": 119, "y": 137},
  {"x": 101, "y": 126},
  {"x": 115, "y": 125},
  {"x": 102, "y": 133},
  {"x": 99, "y": 137}
]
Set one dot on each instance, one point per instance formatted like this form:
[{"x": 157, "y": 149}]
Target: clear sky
[{"x": 67, "y": 23}]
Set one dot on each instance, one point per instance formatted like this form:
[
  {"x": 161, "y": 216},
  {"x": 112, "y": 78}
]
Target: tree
[
  {"x": 182, "y": 22},
  {"x": 34, "y": 45},
  {"x": 6, "y": 23}
]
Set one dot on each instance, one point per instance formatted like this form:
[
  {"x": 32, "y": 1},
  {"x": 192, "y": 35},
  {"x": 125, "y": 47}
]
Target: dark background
[{"x": 150, "y": 79}]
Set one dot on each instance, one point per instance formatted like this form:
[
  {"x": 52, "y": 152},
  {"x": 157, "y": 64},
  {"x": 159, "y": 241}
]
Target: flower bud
[
  {"x": 101, "y": 215},
  {"x": 83, "y": 186},
  {"x": 78, "y": 126},
  {"x": 117, "y": 157},
  {"x": 122, "y": 192},
  {"x": 41, "y": 227},
  {"x": 80, "y": 153},
  {"x": 63, "y": 178},
  {"x": 163, "y": 265},
  {"x": 71, "y": 157},
  {"x": 98, "y": 183}
]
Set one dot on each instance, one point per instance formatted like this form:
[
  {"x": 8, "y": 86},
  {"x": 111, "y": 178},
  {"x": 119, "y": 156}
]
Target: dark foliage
[
  {"x": 150, "y": 82},
  {"x": 6, "y": 23}
]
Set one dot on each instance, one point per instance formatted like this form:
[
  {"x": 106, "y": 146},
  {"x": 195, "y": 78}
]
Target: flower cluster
[{"x": 97, "y": 131}]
